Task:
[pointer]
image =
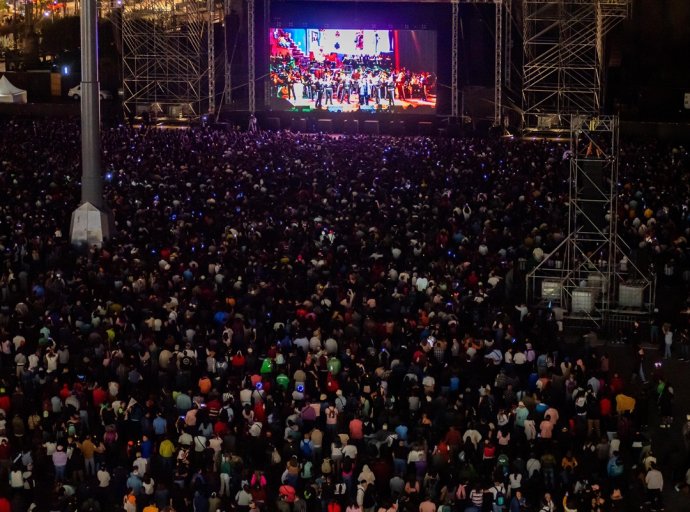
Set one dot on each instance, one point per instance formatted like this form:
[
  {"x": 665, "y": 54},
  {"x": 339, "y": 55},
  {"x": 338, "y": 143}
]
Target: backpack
[
  {"x": 110, "y": 436},
  {"x": 331, "y": 384},
  {"x": 306, "y": 448},
  {"x": 326, "y": 466},
  {"x": 500, "y": 498},
  {"x": 266, "y": 366},
  {"x": 288, "y": 492},
  {"x": 275, "y": 456},
  {"x": 306, "y": 472}
]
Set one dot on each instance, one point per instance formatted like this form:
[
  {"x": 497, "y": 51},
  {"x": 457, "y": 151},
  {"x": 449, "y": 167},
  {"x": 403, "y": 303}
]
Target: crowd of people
[{"x": 302, "y": 322}]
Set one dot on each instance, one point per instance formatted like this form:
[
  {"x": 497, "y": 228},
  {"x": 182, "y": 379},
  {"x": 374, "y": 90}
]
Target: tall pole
[
  {"x": 91, "y": 182},
  {"x": 90, "y": 221},
  {"x": 455, "y": 34}
]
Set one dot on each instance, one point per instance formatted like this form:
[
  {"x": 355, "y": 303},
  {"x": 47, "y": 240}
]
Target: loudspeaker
[
  {"x": 324, "y": 125},
  {"x": 273, "y": 123},
  {"x": 351, "y": 126},
  {"x": 299, "y": 124},
  {"x": 425, "y": 128},
  {"x": 397, "y": 127},
  {"x": 371, "y": 127}
]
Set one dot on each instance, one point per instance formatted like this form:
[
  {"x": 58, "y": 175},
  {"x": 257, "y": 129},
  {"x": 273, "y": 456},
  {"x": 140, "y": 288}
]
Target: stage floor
[{"x": 412, "y": 105}]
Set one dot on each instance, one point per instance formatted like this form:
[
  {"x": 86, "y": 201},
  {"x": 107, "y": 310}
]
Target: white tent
[{"x": 9, "y": 93}]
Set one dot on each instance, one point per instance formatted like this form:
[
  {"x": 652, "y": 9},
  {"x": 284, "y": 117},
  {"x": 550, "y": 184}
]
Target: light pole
[{"x": 91, "y": 222}]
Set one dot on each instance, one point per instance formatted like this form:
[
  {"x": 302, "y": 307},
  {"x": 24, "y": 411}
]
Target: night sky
[{"x": 653, "y": 49}]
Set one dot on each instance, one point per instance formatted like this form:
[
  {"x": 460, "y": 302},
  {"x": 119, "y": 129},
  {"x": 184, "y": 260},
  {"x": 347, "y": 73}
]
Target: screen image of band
[{"x": 346, "y": 70}]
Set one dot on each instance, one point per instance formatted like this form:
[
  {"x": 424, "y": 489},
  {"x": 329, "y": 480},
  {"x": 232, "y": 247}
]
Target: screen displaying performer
[{"x": 343, "y": 70}]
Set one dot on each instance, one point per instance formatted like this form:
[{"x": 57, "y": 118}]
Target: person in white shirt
[
  {"x": 495, "y": 490},
  {"x": 103, "y": 477},
  {"x": 533, "y": 464},
  {"x": 654, "y": 482},
  {"x": 515, "y": 481},
  {"x": 473, "y": 435},
  {"x": 519, "y": 358}
]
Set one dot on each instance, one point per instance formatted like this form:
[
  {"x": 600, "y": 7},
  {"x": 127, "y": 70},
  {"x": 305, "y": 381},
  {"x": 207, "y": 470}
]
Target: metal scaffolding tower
[
  {"x": 563, "y": 45},
  {"x": 168, "y": 57},
  {"x": 455, "y": 35},
  {"x": 251, "y": 56},
  {"x": 498, "y": 64},
  {"x": 503, "y": 20},
  {"x": 590, "y": 274},
  {"x": 211, "y": 55}
]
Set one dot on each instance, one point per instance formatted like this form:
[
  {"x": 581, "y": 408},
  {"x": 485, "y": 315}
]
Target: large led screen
[{"x": 343, "y": 70}]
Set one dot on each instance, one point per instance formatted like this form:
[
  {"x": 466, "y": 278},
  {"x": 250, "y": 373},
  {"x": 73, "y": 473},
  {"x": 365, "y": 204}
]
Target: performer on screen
[
  {"x": 400, "y": 85},
  {"x": 328, "y": 89},
  {"x": 364, "y": 90},
  {"x": 343, "y": 90},
  {"x": 318, "y": 91},
  {"x": 390, "y": 90},
  {"x": 376, "y": 89},
  {"x": 359, "y": 40},
  {"x": 290, "y": 84}
]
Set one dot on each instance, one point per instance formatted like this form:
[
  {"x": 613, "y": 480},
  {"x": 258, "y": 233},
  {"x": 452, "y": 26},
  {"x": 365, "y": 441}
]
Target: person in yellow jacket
[
  {"x": 624, "y": 403},
  {"x": 151, "y": 507},
  {"x": 166, "y": 451}
]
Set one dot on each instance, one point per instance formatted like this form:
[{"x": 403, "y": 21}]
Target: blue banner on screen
[{"x": 343, "y": 70}]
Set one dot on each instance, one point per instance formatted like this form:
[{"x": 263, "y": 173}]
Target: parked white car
[{"x": 75, "y": 93}]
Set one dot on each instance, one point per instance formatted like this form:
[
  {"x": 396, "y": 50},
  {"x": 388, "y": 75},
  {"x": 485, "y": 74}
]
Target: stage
[
  {"x": 396, "y": 106},
  {"x": 311, "y": 58}
]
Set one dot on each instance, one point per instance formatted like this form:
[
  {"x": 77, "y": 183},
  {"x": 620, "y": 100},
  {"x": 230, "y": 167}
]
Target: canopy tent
[{"x": 9, "y": 93}]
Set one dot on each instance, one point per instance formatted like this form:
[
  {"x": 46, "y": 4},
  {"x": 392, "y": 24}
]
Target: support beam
[
  {"x": 498, "y": 64},
  {"x": 251, "y": 57},
  {"x": 229, "y": 47},
  {"x": 211, "y": 52},
  {"x": 454, "y": 114},
  {"x": 563, "y": 47},
  {"x": 585, "y": 275}
]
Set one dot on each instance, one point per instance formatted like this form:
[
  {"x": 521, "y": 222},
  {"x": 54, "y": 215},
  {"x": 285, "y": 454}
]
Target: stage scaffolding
[
  {"x": 502, "y": 70},
  {"x": 169, "y": 57},
  {"x": 590, "y": 277},
  {"x": 563, "y": 47}
]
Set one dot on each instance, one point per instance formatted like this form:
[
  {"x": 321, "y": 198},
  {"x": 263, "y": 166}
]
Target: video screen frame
[{"x": 353, "y": 70}]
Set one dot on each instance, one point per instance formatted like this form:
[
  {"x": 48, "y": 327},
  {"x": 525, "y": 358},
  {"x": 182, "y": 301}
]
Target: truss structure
[
  {"x": 590, "y": 274},
  {"x": 168, "y": 57},
  {"x": 454, "y": 52},
  {"x": 503, "y": 23},
  {"x": 563, "y": 45},
  {"x": 251, "y": 56}
]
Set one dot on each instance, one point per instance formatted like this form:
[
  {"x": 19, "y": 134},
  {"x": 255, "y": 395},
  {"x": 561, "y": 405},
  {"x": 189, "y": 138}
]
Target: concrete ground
[{"x": 667, "y": 444}]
